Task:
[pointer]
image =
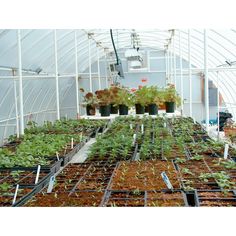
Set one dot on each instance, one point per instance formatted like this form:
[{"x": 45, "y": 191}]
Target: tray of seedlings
[
  {"x": 201, "y": 172},
  {"x": 64, "y": 126},
  {"x": 65, "y": 182},
  {"x": 216, "y": 198},
  {"x": 144, "y": 175},
  {"x": 192, "y": 171},
  {"x": 119, "y": 143},
  {"x": 21, "y": 185},
  {"x": 137, "y": 198},
  {"x": 77, "y": 185}
]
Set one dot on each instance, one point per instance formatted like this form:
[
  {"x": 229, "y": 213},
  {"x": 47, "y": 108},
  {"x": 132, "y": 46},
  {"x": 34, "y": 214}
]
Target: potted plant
[
  {"x": 140, "y": 100},
  {"x": 104, "y": 99},
  {"x": 172, "y": 99},
  {"x": 154, "y": 97},
  {"x": 124, "y": 100},
  {"x": 90, "y": 102},
  {"x": 113, "y": 94}
]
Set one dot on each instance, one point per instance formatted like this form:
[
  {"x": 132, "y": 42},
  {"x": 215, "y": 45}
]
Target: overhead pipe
[
  {"x": 98, "y": 65},
  {"x": 190, "y": 73},
  {"x": 206, "y": 79},
  {"x": 181, "y": 74},
  {"x": 21, "y": 97},
  {"x": 76, "y": 74},
  {"x": 56, "y": 75},
  {"x": 90, "y": 70}
]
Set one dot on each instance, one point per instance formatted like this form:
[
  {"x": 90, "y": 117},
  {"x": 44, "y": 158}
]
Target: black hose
[{"x": 117, "y": 58}]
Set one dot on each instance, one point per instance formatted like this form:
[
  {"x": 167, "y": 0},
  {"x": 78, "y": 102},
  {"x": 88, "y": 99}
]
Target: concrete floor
[{"x": 82, "y": 154}]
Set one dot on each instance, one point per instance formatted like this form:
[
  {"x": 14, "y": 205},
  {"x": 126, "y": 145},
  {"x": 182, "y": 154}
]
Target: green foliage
[
  {"x": 140, "y": 96},
  {"x": 221, "y": 178},
  {"x": 154, "y": 96},
  {"x": 186, "y": 171},
  {"x": 4, "y": 187},
  {"x": 197, "y": 157},
  {"x": 171, "y": 95},
  {"x": 180, "y": 160},
  {"x": 124, "y": 97}
]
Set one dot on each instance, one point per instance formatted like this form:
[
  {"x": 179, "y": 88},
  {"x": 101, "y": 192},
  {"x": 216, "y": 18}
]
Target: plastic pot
[
  {"x": 146, "y": 109},
  {"x": 139, "y": 109},
  {"x": 153, "y": 109},
  {"x": 105, "y": 110},
  {"x": 123, "y": 110},
  {"x": 170, "y": 107},
  {"x": 114, "y": 109},
  {"x": 90, "y": 110}
]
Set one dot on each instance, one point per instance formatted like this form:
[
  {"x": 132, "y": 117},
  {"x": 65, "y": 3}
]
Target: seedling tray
[
  {"x": 53, "y": 168},
  {"x": 216, "y": 198},
  {"x": 145, "y": 198}
]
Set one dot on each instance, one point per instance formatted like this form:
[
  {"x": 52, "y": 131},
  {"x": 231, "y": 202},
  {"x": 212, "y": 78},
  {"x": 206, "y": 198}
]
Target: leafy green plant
[
  {"x": 124, "y": 97},
  {"x": 4, "y": 187},
  {"x": 197, "y": 157},
  {"x": 171, "y": 95},
  {"x": 180, "y": 160},
  {"x": 154, "y": 96},
  {"x": 222, "y": 179},
  {"x": 186, "y": 171},
  {"x": 140, "y": 96}
]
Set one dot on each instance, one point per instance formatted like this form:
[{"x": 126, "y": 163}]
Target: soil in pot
[
  {"x": 170, "y": 107},
  {"x": 139, "y": 109},
  {"x": 123, "y": 110},
  {"x": 90, "y": 110},
  {"x": 153, "y": 110},
  {"x": 114, "y": 109},
  {"x": 105, "y": 110}
]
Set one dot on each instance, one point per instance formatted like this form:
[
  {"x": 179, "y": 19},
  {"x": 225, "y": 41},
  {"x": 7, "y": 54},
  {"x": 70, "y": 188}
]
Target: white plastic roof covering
[{"x": 38, "y": 51}]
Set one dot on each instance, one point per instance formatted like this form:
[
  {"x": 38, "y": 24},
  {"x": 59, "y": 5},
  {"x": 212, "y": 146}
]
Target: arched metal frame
[{"x": 38, "y": 47}]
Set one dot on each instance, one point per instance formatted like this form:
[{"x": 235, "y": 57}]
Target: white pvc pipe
[
  {"x": 20, "y": 83},
  {"x": 99, "y": 75},
  {"x": 181, "y": 75},
  {"x": 16, "y": 111},
  {"x": 218, "y": 108},
  {"x": 106, "y": 70},
  {"x": 76, "y": 74},
  {"x": 90, "y": 75},
  {"x": 166, "y": 61},
  {"x": 171, "y": 65},
  {"x": 206, "y": 79},
  {"x": 174, "y": 60},
  {"x": 190, "y": 73},
  {"x": 56, "y": 75}
]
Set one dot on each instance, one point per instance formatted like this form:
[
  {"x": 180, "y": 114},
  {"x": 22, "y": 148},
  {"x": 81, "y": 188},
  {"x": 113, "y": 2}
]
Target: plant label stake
[
  {"x": 37, "y": 175},
  {"x": 81, "y": 137},
  {"x": 164, "y": 124},
  {"x": 51, "y": 184},
  {"x": 226, "y": 151},
  {"x": 72, "y": 143},
  {"x": 57, "y": 154},
  {"x": 14, "y": 198},
  {"x": 142, "y": 128},
  {"x": 134, "y": 137},
  {"x": 131, "y": 126},
  {"x": 166, "y": 180}
]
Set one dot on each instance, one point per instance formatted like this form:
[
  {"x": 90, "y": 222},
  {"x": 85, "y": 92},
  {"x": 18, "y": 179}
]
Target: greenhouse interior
[{"x": 117, "y": 118}]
